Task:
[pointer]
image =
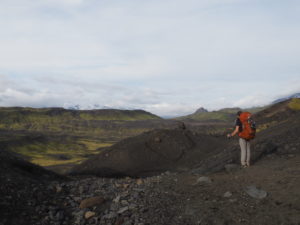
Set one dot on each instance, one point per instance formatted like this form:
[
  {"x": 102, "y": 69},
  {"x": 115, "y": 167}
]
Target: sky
[{"x": 168, "y": 57}]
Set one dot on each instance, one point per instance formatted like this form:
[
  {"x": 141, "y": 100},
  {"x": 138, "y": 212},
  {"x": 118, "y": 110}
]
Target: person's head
[{"x": 238, "y": 113}]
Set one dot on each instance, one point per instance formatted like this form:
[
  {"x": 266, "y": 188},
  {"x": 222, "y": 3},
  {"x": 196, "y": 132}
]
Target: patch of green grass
[
  {"x": 265, "y": 126},
  {"x": 216, "y": 115},
  {"x": 92, "y": 145},
  {"x": 48, "y": 161},
  {"x": 55, "y": 152},
  {"x": 294, "y": 104},
  {"x": 117, "y": 115}
]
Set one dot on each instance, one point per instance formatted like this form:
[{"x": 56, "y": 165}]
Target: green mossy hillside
[
  {"x": 89, "y": 122},
  {"x": 211, "y": 116},
  {"x": 52, "y": 150},
  {"x": 294, "y": 104},
  {"x": 222, "y": 115},
  {"x": 53, "y": 136}
]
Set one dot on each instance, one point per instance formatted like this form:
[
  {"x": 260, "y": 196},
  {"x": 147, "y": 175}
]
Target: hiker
[{"x": 245, "y": 128}]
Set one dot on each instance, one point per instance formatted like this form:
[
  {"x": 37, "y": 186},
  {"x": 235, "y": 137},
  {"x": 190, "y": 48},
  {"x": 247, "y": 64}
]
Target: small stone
[
  {"x": 125, "y": 186},
  {"x": 203, "y": 180},
  {"x": 227, "y": 194},
  {"x": 132, "y": 206},
  {"x": 77, "y": 199},
  {"x": 90, "y": 202},
  {"x": 167, "y": 173},
  {"x": 139, "y": 181},
  {"x": 111, "y": 215},
  {"x": 157, "y": 139},
  {"x": 81, "y": 189},
  {"x": 51, "y": 215},
  {"x": 119, "y": 221},
  {"x": 231, "y": 167},
  {"x": 58, "y": 189},
  {"x": 122, "y": 210},
  {"x": 255, "y": 193},
  {"x": 60, "y": 215},
  {"x": 118, "y": 185},
  {"x": 89, "y": 214},
  {"x": 117, "y": 199},
  {"x": 124, "y": 202}
]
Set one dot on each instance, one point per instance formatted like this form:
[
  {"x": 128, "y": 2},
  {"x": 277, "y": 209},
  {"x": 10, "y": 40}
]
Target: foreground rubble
[{"x": 266, "y": 193}]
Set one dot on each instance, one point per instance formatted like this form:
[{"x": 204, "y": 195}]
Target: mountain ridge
[{"x": 296, "y": 95}]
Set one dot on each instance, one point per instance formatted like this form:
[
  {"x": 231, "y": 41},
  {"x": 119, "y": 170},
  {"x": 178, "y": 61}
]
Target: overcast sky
[{"x": 168, "y": 57}]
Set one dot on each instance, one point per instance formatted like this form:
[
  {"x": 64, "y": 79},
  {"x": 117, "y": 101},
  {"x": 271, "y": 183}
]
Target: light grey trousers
[{"x": 245, "y": 151}]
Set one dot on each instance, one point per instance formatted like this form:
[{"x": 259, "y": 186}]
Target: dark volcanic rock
[
  {"x": 201, "y": 110},
  {"x": 23, "y": 185},
  {"x": 90, "y": 202},
  {"x": 150, "y": 153}
]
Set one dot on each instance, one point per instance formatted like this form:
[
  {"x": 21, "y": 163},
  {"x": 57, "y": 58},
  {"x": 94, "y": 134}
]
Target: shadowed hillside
[
  {"x": 22, "y": 186},
  {"x": 279, "y": 113}
]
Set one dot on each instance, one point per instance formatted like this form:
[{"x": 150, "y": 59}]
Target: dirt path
[{"x": 205, "y": 202}]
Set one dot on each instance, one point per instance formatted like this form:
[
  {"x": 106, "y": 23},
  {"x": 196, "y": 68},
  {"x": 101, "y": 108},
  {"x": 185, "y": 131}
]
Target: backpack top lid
[
  {"x": 249, "y": 129},
  {"x": 244, "y": 116}
]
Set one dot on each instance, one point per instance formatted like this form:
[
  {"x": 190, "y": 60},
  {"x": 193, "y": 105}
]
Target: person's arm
[{"x": 234, "y": 132}]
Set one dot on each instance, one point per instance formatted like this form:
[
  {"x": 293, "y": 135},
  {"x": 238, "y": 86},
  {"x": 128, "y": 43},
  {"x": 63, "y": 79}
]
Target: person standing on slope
[{"x": 245, "y": 127}]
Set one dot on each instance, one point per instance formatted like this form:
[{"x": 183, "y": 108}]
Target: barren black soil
[{"x": 169, "y": 198}]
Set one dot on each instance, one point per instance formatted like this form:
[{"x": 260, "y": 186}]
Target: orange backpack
[{"x": 249, "y": 127}]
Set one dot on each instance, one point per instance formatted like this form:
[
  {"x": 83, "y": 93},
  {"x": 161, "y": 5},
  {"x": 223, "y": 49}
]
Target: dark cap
[{"x": 239, "y": 113}]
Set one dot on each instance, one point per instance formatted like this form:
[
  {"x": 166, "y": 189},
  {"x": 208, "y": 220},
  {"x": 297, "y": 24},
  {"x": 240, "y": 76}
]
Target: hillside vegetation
[
  {"x": 62, "y": 120},
  {"x": 294, "y": 104},
  {"x": 54, "y": 136}
]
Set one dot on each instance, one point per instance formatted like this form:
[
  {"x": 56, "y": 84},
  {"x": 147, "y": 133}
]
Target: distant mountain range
[
  {"x": 228, "y": 114},
  {"x": 225, "y": 114},
  {"x": 92, "y": 107},
  {"x": 222, "y": 115}
]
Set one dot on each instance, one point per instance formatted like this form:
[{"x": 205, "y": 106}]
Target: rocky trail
[{"x": 265, "y": 193}]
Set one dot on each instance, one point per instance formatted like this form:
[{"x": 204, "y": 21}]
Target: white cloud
[
  {"x": 63, "y": 2},
  {"x": 158, "y": 55},
  {"x": 256, "y": 99},
  {"x": 171, "y": 110}
]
